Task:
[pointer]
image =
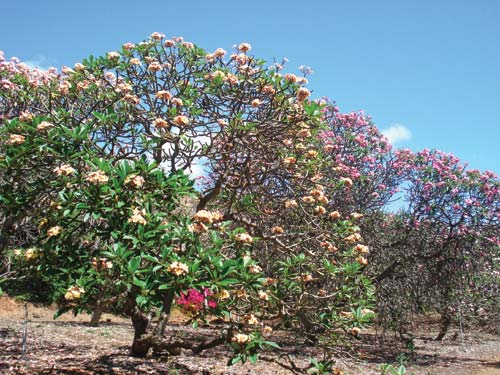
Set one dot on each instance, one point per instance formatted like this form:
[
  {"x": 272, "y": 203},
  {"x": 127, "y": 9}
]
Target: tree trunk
[
  {"x": 445, "y": 324},
  {"x": 6, "y": 229},
  {"x": 140, "y": 321},
  {"x": 309, "y": 328},
  {"x": 96, "y": 316},
  {"x": 165, "y": 315},
  {"x": 141, "y": 344}
]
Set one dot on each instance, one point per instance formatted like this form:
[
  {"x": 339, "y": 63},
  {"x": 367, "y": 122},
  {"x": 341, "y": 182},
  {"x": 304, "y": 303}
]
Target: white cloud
[
  {"x": 397, "y": 133},
  {"x": 39, "y": 62},
  {"x": 197, "y": 168}
]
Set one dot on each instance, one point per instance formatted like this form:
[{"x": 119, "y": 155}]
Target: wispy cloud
[
  {"x": 397, "y": 133},
  {"x": 38, "y": 62}
]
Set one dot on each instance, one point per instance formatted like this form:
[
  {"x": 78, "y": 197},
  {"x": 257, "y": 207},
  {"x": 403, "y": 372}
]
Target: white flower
[
  {"x": 240, "y": 338},
  {"x": 98, "y": 177},
  {"x": 178, "y": 268},
  {"x": 73, "y": 293},
  {"x": 244, "y": 238}
]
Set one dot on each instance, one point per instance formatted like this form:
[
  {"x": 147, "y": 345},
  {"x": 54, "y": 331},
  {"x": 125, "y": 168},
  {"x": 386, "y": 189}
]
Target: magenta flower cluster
[{"x": 195, "y": 301}]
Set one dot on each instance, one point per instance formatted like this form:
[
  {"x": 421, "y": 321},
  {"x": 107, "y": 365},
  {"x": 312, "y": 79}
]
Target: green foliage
[
  {"x": 391, "y": 370},
  {"x": 320, "y": 367}
]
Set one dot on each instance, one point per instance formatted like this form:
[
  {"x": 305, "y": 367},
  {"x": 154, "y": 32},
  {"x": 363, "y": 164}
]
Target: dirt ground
[{"x": 70, "y": 346}]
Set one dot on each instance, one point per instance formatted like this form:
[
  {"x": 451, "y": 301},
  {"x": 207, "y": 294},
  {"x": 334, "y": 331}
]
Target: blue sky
[{"x": 431, "y": 67}]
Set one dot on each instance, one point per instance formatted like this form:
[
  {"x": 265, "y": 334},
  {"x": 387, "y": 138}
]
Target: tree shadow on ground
[
  {"x": 377, "y": 350},
  {"x": 48, "y": 355}
]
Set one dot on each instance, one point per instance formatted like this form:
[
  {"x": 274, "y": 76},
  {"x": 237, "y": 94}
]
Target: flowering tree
[
  {"x": 362, "y": 159},
  {"x": 442, "y": 243},
  {"x": 333, "y": 178},
  {"x": 93, "y": 164}
]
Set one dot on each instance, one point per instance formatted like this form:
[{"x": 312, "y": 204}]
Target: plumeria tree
[
  {"x": 434, "y": 252},
  {"x": 284, "y": 199},
  {"x": 362, "y": 158},
  {"x": 94, "y": 166},
  {"x": 333, "y": 179}
]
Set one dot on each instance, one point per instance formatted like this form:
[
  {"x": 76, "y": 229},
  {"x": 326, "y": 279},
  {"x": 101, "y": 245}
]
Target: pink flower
[
  {"x": 98, "y": 177},
  {"x": 154, "y": 66},
  {"x": 177, "y": 102},
  {"x": 347, "y": 181},
  {"x": 222, "y": 122},
  {"x": 113, "y": 55},
  {"x": 244, "y": 238},
  {"x": 160, "y": 123},
  {"x": 195, "y": 301},
  {"x": 328, "y": 246},
  {"x": 178, "y": 268},
  {"x": 241, "y": 59},
  {"x": 256, "y": 103},
  {"x": 204, "y": 216},
  {"x": 163, "y": 95},
  {"x": 319, "y": 210},
  {"x": 244, "y": 47},
  {"x": 128, "y": 46},
  {"x": 219, "y": 52},
  {"x": 308, "y": 199},
  {"x": 268, "y": 90},
  {"x": 303, "y": 94},
  {"x": 16, "y": 139},
  {"x": 64, "y": 170},
  {"x": 181, "y": 120},
  {"x": 197, "y": 228},
  {"x": 157, "y": 36}
]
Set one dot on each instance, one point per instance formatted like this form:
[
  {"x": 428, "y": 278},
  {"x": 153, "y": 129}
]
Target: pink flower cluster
[
  {"x": 34, "y": 76},
  {"x": 443, "y": 191},
  {"x": 195, "y": 301},
  {"x": 360, "y": 152}
]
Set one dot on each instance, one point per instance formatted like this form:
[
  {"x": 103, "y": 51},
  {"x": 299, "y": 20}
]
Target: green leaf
[
  {"x": 150, "y": 258},
  {"x": 235, "y": 360},
  {"x": 133, "y": 264},
  {"x": 156, "y": 268},
  {"x": 81, "y": 206},
  {"x": 61, "y": 311},
  {"x": 272, "y": 344},
  {"x": 141, "y": 284},
  {"x": 123, "y": 169},
  {"x": 228, "y": 282},
  {"x": 141, "y": 300}
]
